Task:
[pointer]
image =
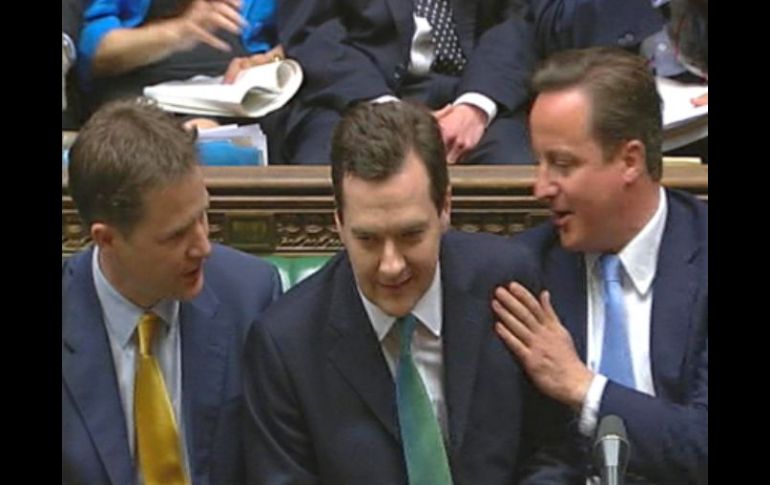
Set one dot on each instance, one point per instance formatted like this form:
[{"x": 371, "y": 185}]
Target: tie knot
[
  {"x": 610, "y": 265},
  {"x": 406, "y": 326},
  {"x": 148, "y": 324}
]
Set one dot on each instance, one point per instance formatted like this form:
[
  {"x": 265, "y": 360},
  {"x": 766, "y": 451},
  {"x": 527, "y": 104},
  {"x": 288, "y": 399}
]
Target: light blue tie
[
  {"x": 426, "y": 459},
  {"x": 616, "y": 354}
]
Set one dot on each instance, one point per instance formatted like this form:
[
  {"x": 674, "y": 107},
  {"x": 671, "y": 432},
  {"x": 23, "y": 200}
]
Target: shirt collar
[
  {"x": 639, "y": 257},
  {"x": 120, "y": 314},
  {"x": 427, "y": 309}
]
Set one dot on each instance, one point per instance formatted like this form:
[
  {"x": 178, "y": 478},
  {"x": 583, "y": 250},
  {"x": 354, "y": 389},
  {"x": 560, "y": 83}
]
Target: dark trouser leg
[
  {"x": 309, "y": 143},
  {"x": 506, "y": 142}
]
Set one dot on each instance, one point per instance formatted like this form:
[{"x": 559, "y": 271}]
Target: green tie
[
  {"x": 426, "y": 459},
  {"x": 157, "y": 438}
]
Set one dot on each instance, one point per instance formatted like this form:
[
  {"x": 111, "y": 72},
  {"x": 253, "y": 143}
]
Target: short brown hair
[
  {"x": 373, "y": 140},
  {"x": 625, "y": 104},
  {"x": 126, "y": 149}
]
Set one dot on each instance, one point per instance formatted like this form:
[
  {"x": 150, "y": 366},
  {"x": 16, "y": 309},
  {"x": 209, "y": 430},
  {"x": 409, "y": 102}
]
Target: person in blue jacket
[{"x": 126, "y": 45}]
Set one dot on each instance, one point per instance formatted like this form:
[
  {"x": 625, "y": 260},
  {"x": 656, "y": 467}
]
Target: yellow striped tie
[{"x": 157, "y": 436}]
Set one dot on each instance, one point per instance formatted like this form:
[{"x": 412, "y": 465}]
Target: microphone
[{"x": 611, "y": 450}]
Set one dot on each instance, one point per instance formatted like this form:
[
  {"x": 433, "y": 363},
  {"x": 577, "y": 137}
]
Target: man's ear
[
  {"x": 103, "y": 235},
  {"x": 338, "y": 222},
  {"x": 633, "y": 155},
  {"x": 446, "y": 211}
]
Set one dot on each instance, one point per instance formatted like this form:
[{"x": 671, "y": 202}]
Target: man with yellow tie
[{"x": 153, "y": 315}]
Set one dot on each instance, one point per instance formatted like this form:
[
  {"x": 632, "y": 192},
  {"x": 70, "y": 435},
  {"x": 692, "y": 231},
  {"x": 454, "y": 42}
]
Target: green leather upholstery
[{"x": 294, "y": 269}]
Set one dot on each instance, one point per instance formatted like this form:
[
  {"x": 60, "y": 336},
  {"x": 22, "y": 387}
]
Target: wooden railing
[{"x": 289, "y": 210}]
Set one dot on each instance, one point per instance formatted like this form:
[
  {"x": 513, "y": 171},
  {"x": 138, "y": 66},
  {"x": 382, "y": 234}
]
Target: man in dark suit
[
  {"x": 638, "y": 350},
  {"x": 325, "y": 376},
  {"x": 575, "y": 24},
  {"x": 135, "y": 179},
  {"x": 467, "y": 59}
]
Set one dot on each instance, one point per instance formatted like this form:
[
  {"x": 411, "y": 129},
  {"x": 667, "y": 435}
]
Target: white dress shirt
[
  {"x": 421, "y": 56},
  {"x": 121, "y": 318},
  {"x": 639, "y": 260},
  {"x": 427, "y": 343}
]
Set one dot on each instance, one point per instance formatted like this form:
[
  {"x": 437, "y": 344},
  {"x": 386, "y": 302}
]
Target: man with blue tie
[
  {"x": 153, "y": 315},
  {"x": 384, "y": 366},
  {"x": 623, "y": 326}
]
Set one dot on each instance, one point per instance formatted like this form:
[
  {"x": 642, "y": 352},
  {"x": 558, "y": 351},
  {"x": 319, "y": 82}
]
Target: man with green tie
[{"x": 384, "y": 367}]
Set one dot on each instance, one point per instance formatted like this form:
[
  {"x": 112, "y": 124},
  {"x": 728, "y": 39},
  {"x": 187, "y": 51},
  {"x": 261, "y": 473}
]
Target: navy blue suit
[
  {"x": 572, "y": 24},
  {"x": 320, "y": 400},
  {"x": 669, "y": 432},
  {"x": 357, "y": 50},
  {"x": 95, "y": 447}
]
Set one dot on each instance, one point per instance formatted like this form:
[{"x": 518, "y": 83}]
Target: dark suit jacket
[
  {"x": 353, "y": 50},
  {"x": 213, "y": 326},
  {"x": 573, "y": 24},
  {"x": 669, "y": 432},
  {"x": 321, "y": 404}
]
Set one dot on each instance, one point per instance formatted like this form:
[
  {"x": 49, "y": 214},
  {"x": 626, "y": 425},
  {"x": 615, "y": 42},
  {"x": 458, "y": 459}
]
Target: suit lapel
[
  {"x": 355, "y": 351},
  {"x": 565, "y": 278},
  {"x": 401, "y": 11},
  {"x": 89, "y": 372},
  {"x": 204, "y": 357},
  {"x": 467, "y": 320},
  {"x": 674, "y": 290}
]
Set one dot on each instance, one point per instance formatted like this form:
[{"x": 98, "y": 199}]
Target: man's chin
[{"x": 192, "y": 286}]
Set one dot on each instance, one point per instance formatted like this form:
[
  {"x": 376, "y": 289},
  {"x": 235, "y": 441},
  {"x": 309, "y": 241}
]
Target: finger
[
  {"x": 232, "y": 71},
  {"x": 526, "y": 298},
  {"x": 257, "y": 60},
  {"x": 701, "y": 100},
  {"x": 226, "y": 17},
  {"x": 453, "y": 155},
  {"x": 208, "y": 38},
  {"x": 513, "y": 324},
  {"x": 442, "y": 112},
  {"x": 236, "y": 4},
  {"x": 460, "y": 149},
  {"x": 548, "y": 310},
  {"x": 512, "y": 342},
  {"x": 513, "y": 304}
]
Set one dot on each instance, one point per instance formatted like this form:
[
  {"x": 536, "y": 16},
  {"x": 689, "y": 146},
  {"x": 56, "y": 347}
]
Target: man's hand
[
  {"x": 241, "y": 63},
  {"x": 204, "y": 17},
  {"x": 462, "y": 127},
  {"x": 701, "y": 100},
  {"x": 532, "y": 330}
]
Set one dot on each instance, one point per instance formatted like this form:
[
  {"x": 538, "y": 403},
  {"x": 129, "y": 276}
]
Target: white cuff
[
  {"x": 480, "y": 101},
  {"x": 587, "y": 423},
  {"x": 385, "y": 98}
]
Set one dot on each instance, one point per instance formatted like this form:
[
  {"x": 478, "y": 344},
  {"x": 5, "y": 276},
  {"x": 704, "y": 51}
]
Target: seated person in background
[
  {"x": 623, "y": 327},
  {"x": 689, "y": 32},
  {"x": 154, "y": 315},
  {"x": 127, "y": 45},
  {"x": 71, "y": 20},
  {"x": 469, "y": 61},
  {"x": 574, "y": 24},
  {"x": 383, "y": 367}
]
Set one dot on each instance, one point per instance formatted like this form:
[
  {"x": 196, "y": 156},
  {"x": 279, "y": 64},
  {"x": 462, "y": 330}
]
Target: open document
[
  {"x": 683, "y": 122},
  {"x": 256, "y": 92}
]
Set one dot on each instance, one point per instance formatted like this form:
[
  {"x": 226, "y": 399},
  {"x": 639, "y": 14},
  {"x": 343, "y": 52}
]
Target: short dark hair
[
  {"x": 126, "y": 149},
  {"x": 372, "y": 142},
  {"x": 625, "y": 104}
]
